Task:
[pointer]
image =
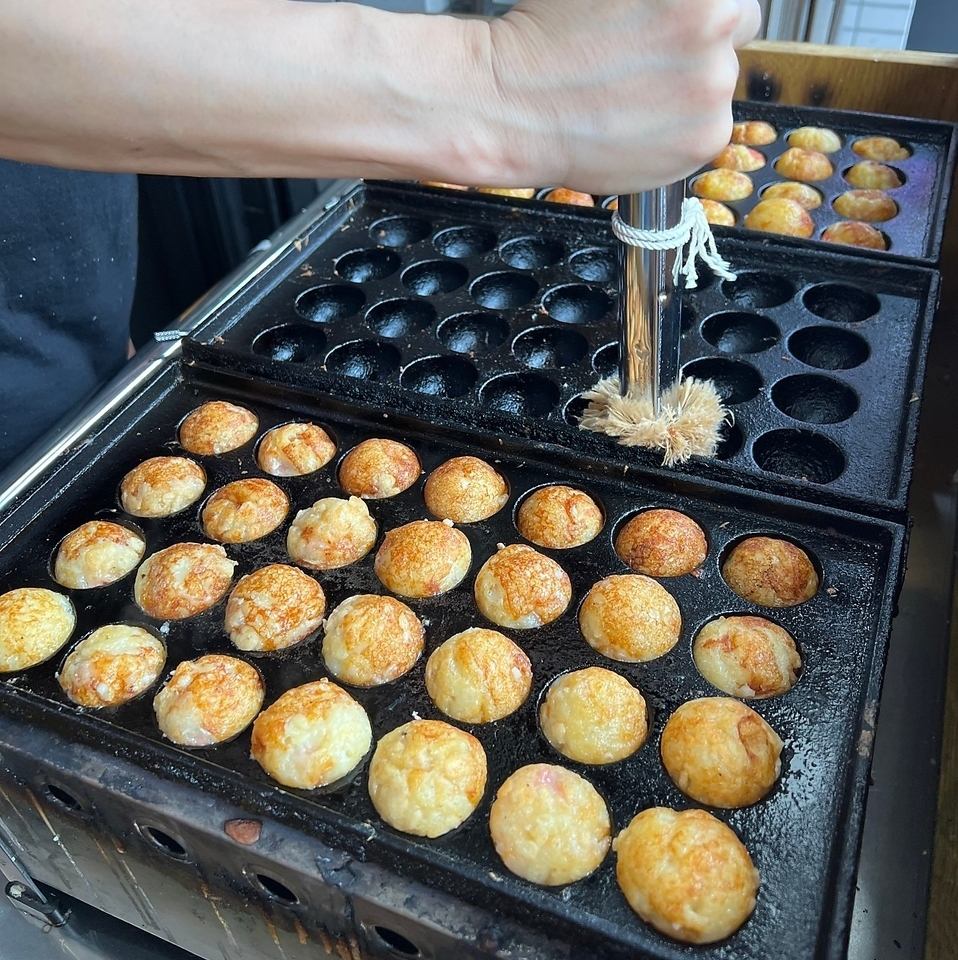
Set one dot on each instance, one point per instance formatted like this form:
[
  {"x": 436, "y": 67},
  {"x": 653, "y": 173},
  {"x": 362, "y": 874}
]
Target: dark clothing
[{"x": 67, "y": 271}]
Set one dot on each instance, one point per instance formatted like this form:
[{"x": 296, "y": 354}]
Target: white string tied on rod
[{"x": 693, "y": 230}]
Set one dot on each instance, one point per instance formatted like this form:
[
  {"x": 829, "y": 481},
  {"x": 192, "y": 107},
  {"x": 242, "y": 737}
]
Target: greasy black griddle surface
[{"x": 803, "y": 836}]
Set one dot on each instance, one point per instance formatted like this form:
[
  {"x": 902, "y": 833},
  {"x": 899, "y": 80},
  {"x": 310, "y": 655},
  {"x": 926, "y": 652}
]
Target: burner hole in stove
[
  {"x": 466, "y": 241},
  {"x": 397, "y": 318},
  {"x": 292, "y": 343},
  {"x": 531, "y": 253},
  {"x": 473, "y": 333},
  {"x": 740, "y": 332},
  {"x": 432, "y": 277},
  {"x": 606, "y": 360},
  {"x": 162, "y": 841},
  {"x": 841, "y": 303},
  {"x": 329, "y": 303},
  {"x": 62, "y": 798},
  {"x": 362, "y": 266},
  {"x": 735, "y": 381},
  {"x": 731, "y": 441},
  {"x": 828, "y": 348},
  {"x": 574, "y": 410},
  {"x": 549, "y": 348},
  {"x": 814, "y": 398},
  {"x": 577, "y": 303},
  {"x": 756, "y": 290},
  {"x": 799, "y": 453},
  {"x": 400, "y": 231},
  {"x": 364, "y": 360},
  {"x": 503, "y": 290},
  {"x": 440, "y": 376},
  {"x": 521, "y": 394},
  {"x": 396, "y": 942},
  {"x": 595, "y": 264},
  {"x": 274, "y": 889}
]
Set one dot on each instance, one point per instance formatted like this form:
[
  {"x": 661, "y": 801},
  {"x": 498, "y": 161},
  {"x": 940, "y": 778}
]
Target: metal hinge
[{"x": 23, "y": 893}]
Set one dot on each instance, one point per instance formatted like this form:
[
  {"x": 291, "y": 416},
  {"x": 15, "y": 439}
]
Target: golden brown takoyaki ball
[
  {"x": 427, "y": 777},
  {"x": 737, "y": 156},
  {"x": 465, "y": 490},
  {"x": 295, "y": 449},
  {"x": 218, "y": 427},
  {"x": 779, "y": 215},
  {"x": 815, "y": 138},
  {"x": 520, "y": 588},
  {"x": 854, "y": 233},
  {"x": 884, "y": 149},
  {"x": 34, "y": 624},
  {"x": 96, "y": 554},
  {"x": 720, "y": 752},
  {"x": 686, "y": 873},
  {"x": 517, "y": 193},
  {"x": 770, "y": 572},
  {"x": 244, "y": 510},
  {"x": 718, "y": 214},
  {"x": 754, "y": 133},
  {"x": 331, "y": 533},
  {"x": 662, "y": 543},
  {"x": 574, "y": 197},
  {"x": 630, "y": 618},
  {"x": 870, "y": 206},
  {"x": 423, "y": 558},
  {"x": 803, "y": 194},
  {"x": 871, "y": 175},
  {"x": 378, "y": 468},
  {"x": 805, "y": 165},
  {"x": 722, "y": 185},
  {"x": 182, "y": 580},
  {"x": 549, "y": 825},
  {"x": 747, "y": 657},
  {"x": 162, "y": 486},
  {"x": 559, "y": 517}
]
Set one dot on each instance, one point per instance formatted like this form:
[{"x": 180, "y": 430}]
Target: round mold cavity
[
  {"x": 594, "y": 264},
  {"x": 273, "y": 889},
  {"x": 291, "y": 343},
  {"x": 549, "y": 348},
  {"x": 329, "y": 302},
  {"x": 828, "y": 348},
  {"x": 163, "y": 842},
  {"x": 731, "y": 441},
  {"x": 473, "y": 333},
  {"x": 574, "y": 409},
  {"x": 467, "y": 241},
  {"x": 363, "y": 266},
  {"x": 521, "y": 394},
  {"x": 431, "y": 277},
  {"x": 799, "y": 453},
  {"x": 755, "y": 290},
  {"x": 531, "y": 253},
  {"x": 400, "y": 317},
  {"x": 440, "y": 376},
  {"x": 503, "y": 290},
  {"x": 736, "y": 332},
  {"x": 814, "y": 398},
  {"x": 577, "y": 303},
  {"x": 606, "y": 360},
  {"x": 364, "y": 360},
  {"x": 736, "y": 382},
  {"x": 841, "y": 303},
  {"x": 395, "y": 943},
  {"x": 400, "y": 231},
  {"x": 62, "y": 798}
]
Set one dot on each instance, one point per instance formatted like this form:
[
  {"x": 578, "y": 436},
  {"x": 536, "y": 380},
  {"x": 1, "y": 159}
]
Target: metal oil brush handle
[{"x": 649, "y": 307}]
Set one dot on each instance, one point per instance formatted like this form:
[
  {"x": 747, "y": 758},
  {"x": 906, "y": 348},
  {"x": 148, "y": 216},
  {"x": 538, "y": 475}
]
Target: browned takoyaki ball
[
  {"x": 378, "y": 468},
  {"x": 770, "y": 572},
  {"x": 718, "y": 214},
  {"x": 871, "y": 175},
  {"x": 883, "y": 149},
  {"x": 801, "y": 193},
  {"x": 736, "y": 156},
  {"x": 465, "y": 490},
  {"x": 754, "y": 133},
  {"x": 722, "y": 185},
  {"x": 796, "y": 163},
  {"x": 854, "y": 233},
  {"x": 815, "y": 138},
  {"x": 779, "y": 215},
  {"x": 661, "y": 543},
  {"x": 574, "y": 197},
  {"x": 870, "y": 206},
  {"x": 218, "y": 427}
]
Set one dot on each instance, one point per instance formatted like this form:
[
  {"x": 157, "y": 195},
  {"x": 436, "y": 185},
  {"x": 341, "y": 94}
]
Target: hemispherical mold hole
[
  {"x": 400, "y": 231},
  {"x": 828, "y": 348},
  {"x": 473, "y": 333},
  {"x": 594, "y": 264},
  {"x": 531, "y": 253},
  {"x": 62, "y": 798},
  {"x": 735, "y": 332},
  {"x": 814, "y": 398},
  {"x": 756, "y": 290},
  {"x": 291, "y": 343},
  {"x": 364, "y": 360},
  {"x": 363, "y": 266},
  {"x": 731, "y": 441},
  {"x": 440, "y": 376},
  {"x": 735, "y": 381},
  {"x": 400, "y": 317},
  {"x": 799, "y": 453},
  {"x": 431, "y": 277},
  {"x": 521, "y": 394},
  {"x": 274, "y": 889},
  {"x": 577, "y": 303},
  {"x": 606, "y": 360},
  {"x": 466, "y": 241},
  {"x": 503, "y": 290},
  {"x": 329, "y": 302},
  {"x": 574, "y": 409},
  {"x": 549, "y": 348},
  {"x": 841, "y": 303},
  {"x": 395, "y": 942},
  {"x": 163, "y": 842}
]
